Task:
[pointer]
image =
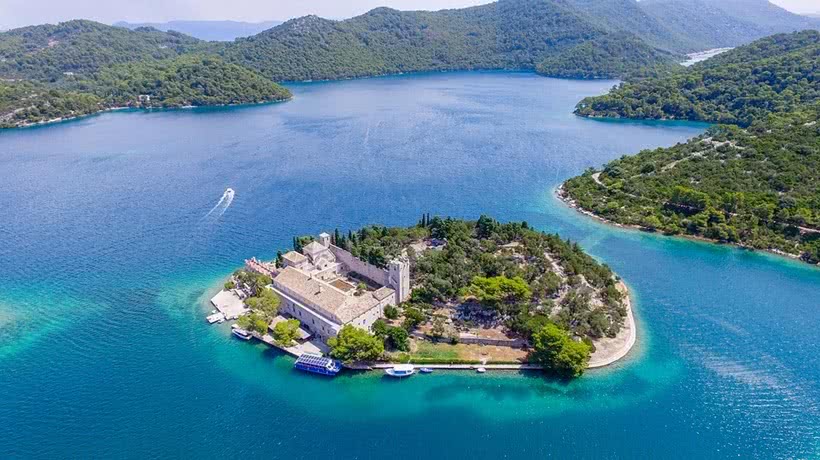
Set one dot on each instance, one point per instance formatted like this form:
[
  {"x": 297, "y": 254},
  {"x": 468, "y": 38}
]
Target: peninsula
[
  {"x": 443, "y": 292},
  {"x": 751, "y": 181}
]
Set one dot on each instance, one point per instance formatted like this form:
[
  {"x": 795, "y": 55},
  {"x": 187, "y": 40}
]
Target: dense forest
[
  {"x": 186, "y": 80},
  {"x": 81, "y": 67},
  {"x": 23, "y": 102},
  {"x": 774, "y": 74},
  {"x": 609, "y": 56},
  {"x": 758, "y": 186}
]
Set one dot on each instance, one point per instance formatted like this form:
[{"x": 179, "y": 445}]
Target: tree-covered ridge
[
  {"x": 187, "y": 80},
  {"x": 49, "y": 52},
  {"x": 775, "y": 74},
  {"x": 80, "y": 67},
  {"x": 508, "y": 34},
  {"x": 609, "y": 56},
  {"x": 190, "y": 80},
  {"x": 758, "y": 186},
  {"x": 631, "y": 17}
]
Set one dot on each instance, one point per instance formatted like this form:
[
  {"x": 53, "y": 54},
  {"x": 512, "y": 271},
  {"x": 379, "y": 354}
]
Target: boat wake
[{"x": 223, "y": 203}]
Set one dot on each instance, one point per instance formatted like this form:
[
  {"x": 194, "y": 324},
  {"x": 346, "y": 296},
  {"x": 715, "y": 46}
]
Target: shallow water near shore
[{"x": 109, "y": 255}]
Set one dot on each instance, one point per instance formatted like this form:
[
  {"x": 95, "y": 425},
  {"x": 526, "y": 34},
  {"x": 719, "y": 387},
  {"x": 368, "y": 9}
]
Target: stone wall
[{"x": 371, "y": 272}]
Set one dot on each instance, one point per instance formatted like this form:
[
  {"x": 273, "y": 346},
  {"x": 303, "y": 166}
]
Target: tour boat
[
  {"x": 481, "y": 370},
  {"x": 241, "y": 333},
  {"x": 401, "y": 370},
  {"x": 317, "y": 364},
  {"x": 426, "y": 370}
]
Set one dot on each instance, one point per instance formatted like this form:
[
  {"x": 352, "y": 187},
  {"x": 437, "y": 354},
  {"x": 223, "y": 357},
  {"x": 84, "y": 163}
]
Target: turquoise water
[{"x": 108, "y": 256}]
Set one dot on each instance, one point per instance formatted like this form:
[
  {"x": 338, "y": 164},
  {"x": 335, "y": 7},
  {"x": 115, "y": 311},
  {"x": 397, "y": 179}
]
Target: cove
[{"x": 108, "y": 256}]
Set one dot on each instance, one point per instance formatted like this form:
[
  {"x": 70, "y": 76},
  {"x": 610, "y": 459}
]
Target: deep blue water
[{"x": 108, "y": 256}]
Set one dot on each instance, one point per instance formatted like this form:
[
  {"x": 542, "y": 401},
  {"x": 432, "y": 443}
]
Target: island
[
  {"x": 446, "y": 292},
  {"x": 750, "y": 181}
]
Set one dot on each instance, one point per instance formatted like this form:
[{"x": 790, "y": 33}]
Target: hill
[
  {"x": 191, "y": 80},
  {"x": 81, "y": 67},
  {"x": 507, "y": 34},
  {"x": 630, "y": 16},
  {"x": 609, "y": 56},
  {"x": 753, "y": 183},
  {"x": 80, "y": 48},
  {"x": 223, "y": 31},
  {"x": 756, "y": 186},
  {"x": 775, "y": 74}
]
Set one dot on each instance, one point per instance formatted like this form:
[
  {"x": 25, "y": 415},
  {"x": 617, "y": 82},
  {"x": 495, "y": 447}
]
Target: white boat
[
  {"x": 401, "y": 370},
  {"x": 481, "y": 370},
  {"x": 216, "y": 318},
  {"x": 241, "y": 333}
]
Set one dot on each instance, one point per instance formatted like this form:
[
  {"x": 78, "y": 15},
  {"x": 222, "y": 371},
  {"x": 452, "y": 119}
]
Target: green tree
[
  {"x": 352, "y": 344},
  {"x": 285, "y": 333},
  {"x": 556, "y": 351},
  {"x": 391, "y": 312}
]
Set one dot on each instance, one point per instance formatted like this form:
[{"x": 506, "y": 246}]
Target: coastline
[
  {"x": 569, "y": 201},
  {"x": 23, "y": 125},
  {"x": 611, "y": 350}
]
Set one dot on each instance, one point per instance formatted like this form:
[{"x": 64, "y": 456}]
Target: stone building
[{"x": 321, "y": 287}]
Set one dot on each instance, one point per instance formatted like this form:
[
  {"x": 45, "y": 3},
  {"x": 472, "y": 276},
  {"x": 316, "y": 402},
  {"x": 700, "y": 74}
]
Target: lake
[{"x": 110, "y": 252}]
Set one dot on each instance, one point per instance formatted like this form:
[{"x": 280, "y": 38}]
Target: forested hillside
[
  {"x": 81, "y": 67},
  {"x": 50, "y": 52},
  {"x": 775, "y": 74},
  {"x": 566, "y": 38},
  {"x": 758, "y": 186},
  {"x": 186, "y": 80},
  {"x": 609, "y": 56},
  {"x": 755, "y": 182}
]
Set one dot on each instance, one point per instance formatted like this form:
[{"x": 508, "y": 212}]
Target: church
[{"x": 325, "y": 287}]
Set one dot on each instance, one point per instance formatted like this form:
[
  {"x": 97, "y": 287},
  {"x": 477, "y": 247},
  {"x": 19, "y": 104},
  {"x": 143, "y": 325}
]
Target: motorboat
[
  {"x": 481, "y": 370},
  {"x": 401, "y": 370},
  {"x": 426, "y": 370}
]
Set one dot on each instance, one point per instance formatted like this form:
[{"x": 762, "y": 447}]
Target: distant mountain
[
  {"x": 725, "y": 23},
  {"x": 223, "y": 31}
]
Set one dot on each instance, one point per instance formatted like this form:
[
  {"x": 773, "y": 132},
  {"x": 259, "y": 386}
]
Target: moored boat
[
  {"x": 426, "y": 370},
  {"x": 401, "y": 370},
  {"x": 481, "y": 370},
  {"x": 317, "y": 364},
  {"x": 240, "y": 333}
]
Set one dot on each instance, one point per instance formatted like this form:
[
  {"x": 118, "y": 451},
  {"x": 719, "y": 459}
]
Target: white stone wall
[
  {"x": 366, "y": 320},
  {"x": 371, "y": 272},
  {"x": 316, "y": 324}
]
